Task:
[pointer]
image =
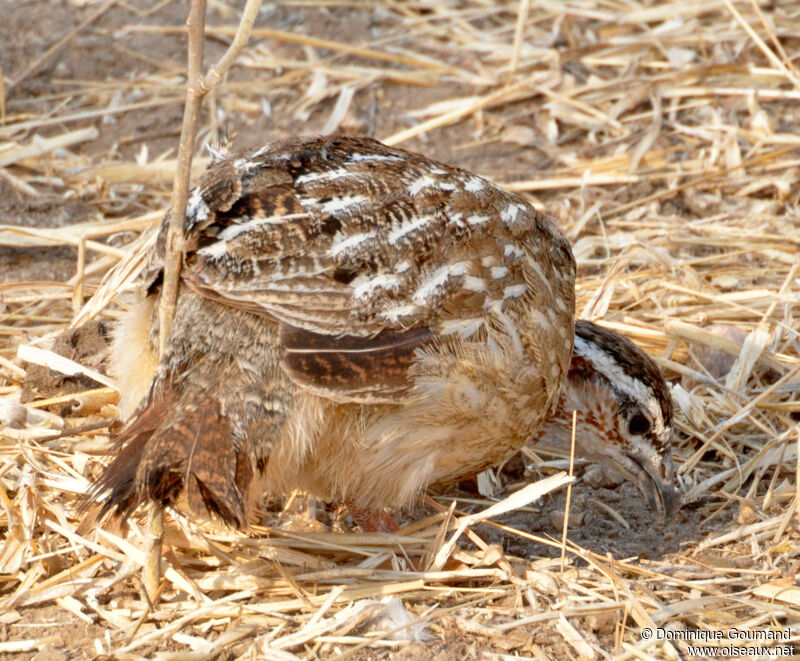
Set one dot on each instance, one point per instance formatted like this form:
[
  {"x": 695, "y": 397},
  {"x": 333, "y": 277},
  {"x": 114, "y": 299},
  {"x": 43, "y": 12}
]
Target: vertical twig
[
  {"x": 80, "y": 271},
  {"x": 180, "y": 186},
  {"x": 569, "y": 491},
  {"x": 197, "y": 88},
  {"x": 151, "y": 572}
]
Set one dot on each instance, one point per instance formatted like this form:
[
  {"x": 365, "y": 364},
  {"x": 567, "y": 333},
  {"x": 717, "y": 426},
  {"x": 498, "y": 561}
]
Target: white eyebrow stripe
[{"x": 612, "y": 370}]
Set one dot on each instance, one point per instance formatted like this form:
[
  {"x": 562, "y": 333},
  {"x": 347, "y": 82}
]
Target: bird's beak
[
  {"x": 654, "y": 477},
  {"x": 651, "y": 473}
]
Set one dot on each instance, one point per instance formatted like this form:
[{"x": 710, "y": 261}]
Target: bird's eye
[{"x": 638, "y": 424}]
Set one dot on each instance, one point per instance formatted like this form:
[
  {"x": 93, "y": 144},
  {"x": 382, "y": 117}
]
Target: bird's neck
[{"x": 587, "y": 403}]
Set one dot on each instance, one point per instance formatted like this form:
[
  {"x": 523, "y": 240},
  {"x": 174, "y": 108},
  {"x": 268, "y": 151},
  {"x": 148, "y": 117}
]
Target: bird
[
  {"x": 360, "y": 322},
  {"x": 623, "y": 413}
]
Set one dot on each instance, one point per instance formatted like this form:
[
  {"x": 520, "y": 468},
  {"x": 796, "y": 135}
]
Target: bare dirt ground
[{"x": 122, "y": 75}]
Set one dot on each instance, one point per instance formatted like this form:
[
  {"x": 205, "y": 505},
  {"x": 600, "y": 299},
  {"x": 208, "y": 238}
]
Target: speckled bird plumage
[{"x": 353, "y": 319}]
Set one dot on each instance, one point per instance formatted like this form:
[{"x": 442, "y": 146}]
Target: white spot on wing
[
  {"x": 216, "y": 250},
  {"x": 510, "y": 213},
  {"x": 456, "y": 219},
  {"x": 325, "y": 175},
  {"x": 360, "y": 158},
  {"x": 477, "y": 219},
  {"x": 395, "y": 314},
  {"x": 513, "y": 291},
  {"x": 349, "y": 242},
  {"x": 232, "y": 231},
  {"x": 438, "y": 279},
  {"x": 421, "y": 183},
  {"x": 511, "y": 250},
  {"x": 499, "y": 272},
  {"x": 408, "y": 228},
  {"x": 365, "y": 286},
  {"x": 196, "y": 208},
  {"x": 341, "y": 204},
  {"x": 536, "y": 317},
  {"x": 475, "y": 185},
  {"x": 472, "y": 283},
  {"x": 467, "y": 327}
]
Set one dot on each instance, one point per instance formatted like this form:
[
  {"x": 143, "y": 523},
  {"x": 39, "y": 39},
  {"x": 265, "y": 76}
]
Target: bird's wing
[{"x": 363, "y": 254}]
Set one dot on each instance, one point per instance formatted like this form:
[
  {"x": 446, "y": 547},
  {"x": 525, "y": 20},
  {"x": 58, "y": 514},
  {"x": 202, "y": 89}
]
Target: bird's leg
[{"x": 372, "y": 520}]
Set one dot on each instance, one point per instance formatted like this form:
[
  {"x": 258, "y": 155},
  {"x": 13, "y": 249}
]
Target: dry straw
[{"x": 664, "y": 138}]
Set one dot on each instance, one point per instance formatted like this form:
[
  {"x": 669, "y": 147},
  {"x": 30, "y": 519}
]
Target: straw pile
[{"x": 663, "y": 136}]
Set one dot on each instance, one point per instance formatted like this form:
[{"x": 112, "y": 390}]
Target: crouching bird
[{"x": 360, "y": 321}]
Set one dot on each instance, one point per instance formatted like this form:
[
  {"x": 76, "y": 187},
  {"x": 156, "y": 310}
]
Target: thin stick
[
  {"x": 180, "y": 188},
  {"x": 197, "y": 88},
  {"x": 44, "y": 145},
  {"x": 218, "y": 70},
  {"x": 569, "y": 491},
  {"x": 151, "y": 573},
  {"x": 80, "y": 272}
]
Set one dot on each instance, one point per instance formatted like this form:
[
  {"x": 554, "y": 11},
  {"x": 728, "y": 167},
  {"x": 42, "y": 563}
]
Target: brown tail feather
[{"x": 178, "y": 454}]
